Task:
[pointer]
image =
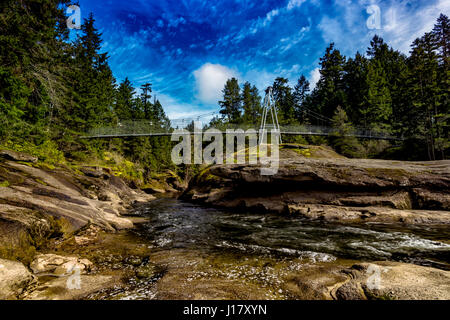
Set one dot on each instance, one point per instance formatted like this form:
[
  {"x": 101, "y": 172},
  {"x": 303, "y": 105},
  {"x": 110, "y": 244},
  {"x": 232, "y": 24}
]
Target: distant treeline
[
  {"x": 383, "y": 90},
  {"x": 53, "y": 89}
]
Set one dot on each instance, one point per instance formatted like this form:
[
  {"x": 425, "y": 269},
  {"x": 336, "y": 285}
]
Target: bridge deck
[{"x": 300, "y": 133}]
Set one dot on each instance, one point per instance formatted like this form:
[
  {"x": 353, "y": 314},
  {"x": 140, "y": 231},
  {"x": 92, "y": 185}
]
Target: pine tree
[
  {"x": 231, "y": 104},
  {"x": 284, "y": 100},
  {"x": 356, "y": 87},
  {"x": 341, "y": 138},
  {"x": 441, "y": 39},
  {"x": 330, "y": 88},
  {"x": 377, "y": 107},
  {"x": 423, "y": 88},
  {"x": 124, "y": 103},
  {"x": 94, "y": 87},
  {"x": 393, "y": 64},
  {"x": 300, "y": 94},
  {"x": 30, "y": 48},
  {"x": 146, "y": 102},
  {"x": 160, "y": 116},
  {"x": 251, "y": 103}
]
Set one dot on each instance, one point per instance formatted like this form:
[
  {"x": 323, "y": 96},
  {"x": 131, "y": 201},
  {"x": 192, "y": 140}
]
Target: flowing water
[
  {"x": 177, "y": 224},
  {"x": 207, "y": 246}
]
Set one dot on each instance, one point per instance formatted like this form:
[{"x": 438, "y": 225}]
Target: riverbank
[
  {"x": 87, "y": 234},
  {"x": 48, "y": 214},
  {"x": 332, "y": 189}
]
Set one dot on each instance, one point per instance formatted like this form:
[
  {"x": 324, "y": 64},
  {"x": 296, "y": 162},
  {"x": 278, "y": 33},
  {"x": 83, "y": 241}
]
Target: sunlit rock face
[{"x": 333, "y": 189}]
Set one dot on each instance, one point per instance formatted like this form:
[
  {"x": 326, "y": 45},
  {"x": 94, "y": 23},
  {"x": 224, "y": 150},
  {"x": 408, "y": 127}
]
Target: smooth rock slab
[
  {"x": 17, "y": 156},
  {"x": 57, "y": 289},
  {"x": 396, "y": 281},
  {"x": 14, "y": 279}
]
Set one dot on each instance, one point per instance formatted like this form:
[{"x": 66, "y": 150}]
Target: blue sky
[{"x": 188, "y": 48}]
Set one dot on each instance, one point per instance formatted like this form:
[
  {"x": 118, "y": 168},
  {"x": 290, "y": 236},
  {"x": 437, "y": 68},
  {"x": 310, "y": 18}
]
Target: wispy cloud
[{"x": 187, "y": 49}]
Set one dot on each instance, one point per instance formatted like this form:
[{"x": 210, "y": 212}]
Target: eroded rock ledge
[{"x": 333, "y": 189}]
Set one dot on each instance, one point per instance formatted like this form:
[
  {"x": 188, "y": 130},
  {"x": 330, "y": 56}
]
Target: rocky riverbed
[
  {"x": 319, "y": 229},
  {"x": 333, "y": 189}
]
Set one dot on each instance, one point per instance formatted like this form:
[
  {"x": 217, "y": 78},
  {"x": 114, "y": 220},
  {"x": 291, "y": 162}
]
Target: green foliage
[
  {"x": 251, "y": 103},
  {"x": 47, "y": 151},
  {"x": 300, "y": 95},
  {"x": 52, "y": 90},
  {"x": 330, "y": 88},
  {"x": 284, "y": 100},
  {"x": 340, "y": 139},
  {"x": 4, "y": 184},
  {"x": 231, "y": 104}
]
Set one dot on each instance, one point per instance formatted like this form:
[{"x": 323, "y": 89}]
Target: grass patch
[{"x": 4, "y": 184}]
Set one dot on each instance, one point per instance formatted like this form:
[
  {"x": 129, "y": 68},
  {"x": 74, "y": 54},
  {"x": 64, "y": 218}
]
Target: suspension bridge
[{"x": 146, "y": 128}]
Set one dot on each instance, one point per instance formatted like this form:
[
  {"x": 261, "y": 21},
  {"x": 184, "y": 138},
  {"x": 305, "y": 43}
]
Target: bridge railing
[{"x": 149, "y": 128}]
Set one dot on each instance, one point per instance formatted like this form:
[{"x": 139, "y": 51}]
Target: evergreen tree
[
  {"x": 94, "y": 88},
  {"x": 441, "y": 38},
  {"x": 124, "y": 104},
  {"x": 160, "y": 116},
  {"x": 300, "y": 94},
  {"x": 146, "y": 102},
  {"x": 330, "y": 88},
  {"x": 393, "y": 64},
  {"x": 355, "y": 79},
  {"x": 423, "y": 84},
  {"x": 341, "y": 138},
  {"x": 284, "y": 100},
  {"x": 251, "y": 103},
  {"x": 31, "y": 42},
  {"x": 377, "y": 107},
  {"x": 231, "y": 104}
]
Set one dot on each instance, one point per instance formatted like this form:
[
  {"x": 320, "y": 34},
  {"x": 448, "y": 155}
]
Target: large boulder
[{"x": 14, "y": 279}]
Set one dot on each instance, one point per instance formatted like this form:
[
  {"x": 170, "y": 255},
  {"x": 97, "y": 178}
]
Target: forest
[
  {"x": 53, "y": 89},
  {"x": 381, "y": 90}
]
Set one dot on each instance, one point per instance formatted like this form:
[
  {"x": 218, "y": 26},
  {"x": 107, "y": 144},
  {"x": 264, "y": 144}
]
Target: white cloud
[
  {"x": 210, "y": 80},
  {"x": 294, "y": 4},
  {"x": 314, "y": 77},
  {"x": 401, "y": 26},
  {"x": 180, "y": 110},
  {"x": 401, "y": 23}
]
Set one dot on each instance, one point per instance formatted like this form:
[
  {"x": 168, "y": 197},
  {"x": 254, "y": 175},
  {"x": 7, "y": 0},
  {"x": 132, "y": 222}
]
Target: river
[{"x": 213, "y": 253}]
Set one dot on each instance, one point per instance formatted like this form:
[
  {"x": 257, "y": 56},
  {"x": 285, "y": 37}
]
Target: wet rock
[
  {"x": 14, "y": 279},
  {"x": 133, "y": 260},
  {"x": 152, "y": 190},
  {"x": 59, "y": 265},
  {"x": 369, "y": 214},
  {"x": 149, "y": 270}
]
